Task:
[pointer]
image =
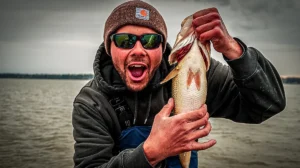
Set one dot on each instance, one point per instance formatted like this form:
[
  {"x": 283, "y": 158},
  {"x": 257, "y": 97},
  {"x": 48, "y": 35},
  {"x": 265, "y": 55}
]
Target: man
[{"x": 121, "y": 118}]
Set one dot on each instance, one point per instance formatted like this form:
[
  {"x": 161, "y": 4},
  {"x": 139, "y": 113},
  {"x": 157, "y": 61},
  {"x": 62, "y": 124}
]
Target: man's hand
[
  {"x": 209, "y": 26},
  {"x": 173, "y": 135}
]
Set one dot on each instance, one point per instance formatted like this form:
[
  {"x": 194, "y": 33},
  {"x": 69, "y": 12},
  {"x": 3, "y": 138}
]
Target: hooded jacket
[{"x": 249, "y": 90}]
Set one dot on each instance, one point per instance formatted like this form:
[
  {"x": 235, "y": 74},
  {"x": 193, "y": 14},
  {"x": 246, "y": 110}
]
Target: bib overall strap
[{"x": 122, "y": 110}]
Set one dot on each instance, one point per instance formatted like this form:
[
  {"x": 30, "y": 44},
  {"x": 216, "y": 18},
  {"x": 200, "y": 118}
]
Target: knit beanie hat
[{"x": 134, "y": 12}]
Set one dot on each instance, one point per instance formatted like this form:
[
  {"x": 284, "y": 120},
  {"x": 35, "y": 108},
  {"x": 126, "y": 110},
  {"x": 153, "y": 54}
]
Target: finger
[
  {"x": 202, "y": 146},
  {"x": 204, "y": 12},
  {"x": 193, "y": 115},
  {"x": 206, "y": 19},
  {"x": 214, "y": 35},
  {"x": 200, "y": 133},
  {"x": 167, "y": 109},
  {"x": 208, "y": 26},
  {"x": 198, "y": 123}
]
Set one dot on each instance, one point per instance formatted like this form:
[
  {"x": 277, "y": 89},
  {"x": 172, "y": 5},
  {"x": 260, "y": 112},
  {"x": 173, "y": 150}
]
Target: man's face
[{"x": 137, "y": 65}]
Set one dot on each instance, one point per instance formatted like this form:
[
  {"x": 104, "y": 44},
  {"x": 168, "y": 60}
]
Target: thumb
[{"x": 167, "y": 109}]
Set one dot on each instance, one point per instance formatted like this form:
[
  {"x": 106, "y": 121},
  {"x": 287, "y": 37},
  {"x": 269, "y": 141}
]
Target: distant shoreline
[
  {"x": 47, "y": 76},
  {"x": 285, "y": 79},
  {"x": 290, "y": 79}
]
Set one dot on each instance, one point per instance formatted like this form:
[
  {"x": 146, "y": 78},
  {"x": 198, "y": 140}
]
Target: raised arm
[{"x": 249, "y": 90}]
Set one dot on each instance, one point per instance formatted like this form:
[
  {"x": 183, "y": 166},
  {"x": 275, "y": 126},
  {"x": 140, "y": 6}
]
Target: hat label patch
[{"x": 142, "y": 13}]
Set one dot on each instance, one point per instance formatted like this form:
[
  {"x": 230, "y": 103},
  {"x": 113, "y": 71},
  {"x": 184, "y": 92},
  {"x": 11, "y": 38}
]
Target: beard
[{"x": 131, "y": 85}]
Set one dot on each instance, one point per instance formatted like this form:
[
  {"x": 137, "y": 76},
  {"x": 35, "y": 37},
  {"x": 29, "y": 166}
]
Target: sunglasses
[{"x": 127, "y": 41}]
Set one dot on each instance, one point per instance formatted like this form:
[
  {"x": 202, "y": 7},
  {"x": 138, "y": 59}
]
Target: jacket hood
[{"x": 108, "y": 79}]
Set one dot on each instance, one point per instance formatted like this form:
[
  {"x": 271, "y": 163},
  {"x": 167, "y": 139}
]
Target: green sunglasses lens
[
  {"x": 124, "y": 40},
  {"x": 127, "y": 41},
  {"x": 150, "y": 41}
]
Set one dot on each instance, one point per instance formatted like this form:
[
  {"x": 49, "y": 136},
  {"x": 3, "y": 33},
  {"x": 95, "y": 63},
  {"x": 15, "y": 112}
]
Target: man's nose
[{"x": 138, "y": 49}]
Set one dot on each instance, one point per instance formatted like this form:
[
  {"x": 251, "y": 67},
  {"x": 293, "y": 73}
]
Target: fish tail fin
[{"x": 185, "y": 159}]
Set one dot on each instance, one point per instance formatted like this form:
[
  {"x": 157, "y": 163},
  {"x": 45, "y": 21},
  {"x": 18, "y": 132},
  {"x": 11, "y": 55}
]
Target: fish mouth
[
  {"x": 182, "y": 52},
  {"x": 137, "y": 71},
  {"x": 181, "y": 48}
]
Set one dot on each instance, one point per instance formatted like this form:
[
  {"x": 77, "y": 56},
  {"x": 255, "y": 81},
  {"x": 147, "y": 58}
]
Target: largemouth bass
[{"x": 189, "y": 85}]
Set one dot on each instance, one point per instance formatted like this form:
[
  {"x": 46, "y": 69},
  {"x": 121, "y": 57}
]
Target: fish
[{"x": 189, "y": 83}]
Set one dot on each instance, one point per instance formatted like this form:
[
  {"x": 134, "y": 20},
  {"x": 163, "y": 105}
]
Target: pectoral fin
[{"x": 171, "y": 75}]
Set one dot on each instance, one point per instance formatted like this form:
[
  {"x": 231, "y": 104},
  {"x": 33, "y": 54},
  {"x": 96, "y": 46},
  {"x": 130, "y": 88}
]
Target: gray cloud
[
  {"x": 36, "y": 20},
  {"x": 53, "y": 5},
  {"x": 63, "y": 35},
  {"x": 279, "y": 12},
  {"x": 263, "y": 6},
  {"x": 279, "y": 17}
]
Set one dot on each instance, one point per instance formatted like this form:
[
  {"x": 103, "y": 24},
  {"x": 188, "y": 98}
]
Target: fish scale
[{"x": 189, "y": 98}]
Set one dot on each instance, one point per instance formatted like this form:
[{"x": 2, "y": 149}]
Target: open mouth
[
  {"x": 183, "y": 51},
  {"x": 137, "y": 71}
]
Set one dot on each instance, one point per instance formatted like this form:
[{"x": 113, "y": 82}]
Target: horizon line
[{"x": 12, "y": 73}]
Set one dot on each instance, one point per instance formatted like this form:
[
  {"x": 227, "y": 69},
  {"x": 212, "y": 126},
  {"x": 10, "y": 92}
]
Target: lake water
[{"x": 36, "y": 130}]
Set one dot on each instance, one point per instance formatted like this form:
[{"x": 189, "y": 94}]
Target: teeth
[{"x": 136, "y": 66}]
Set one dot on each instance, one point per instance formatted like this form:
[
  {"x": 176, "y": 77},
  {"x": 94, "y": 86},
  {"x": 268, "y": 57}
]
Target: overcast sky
[{"x": 62, "y": 36}]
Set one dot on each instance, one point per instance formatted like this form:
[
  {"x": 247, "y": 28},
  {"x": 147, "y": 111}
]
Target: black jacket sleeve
[
  {"x": 249, "y": 90},
  {"x": 94, "y": 137}
]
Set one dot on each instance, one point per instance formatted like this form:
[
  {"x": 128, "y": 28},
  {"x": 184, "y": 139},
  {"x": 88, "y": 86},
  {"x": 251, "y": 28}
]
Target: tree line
[{"x": 47, "y": 76}]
